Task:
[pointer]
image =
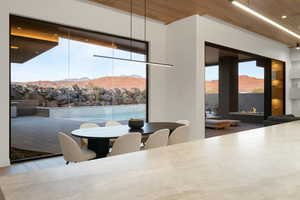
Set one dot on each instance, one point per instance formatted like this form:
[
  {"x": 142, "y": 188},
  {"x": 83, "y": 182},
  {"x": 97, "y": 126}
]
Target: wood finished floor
[{"x": 32, "y": 166}]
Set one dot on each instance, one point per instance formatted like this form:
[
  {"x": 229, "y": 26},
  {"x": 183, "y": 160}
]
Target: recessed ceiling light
[
  {"x": 19, "y": 28},
  {"x": 86, "y": 40},
  {"x": 37, "y": 52},
  {"x": 262, "y": 17},
  {"x": 283, "y": 17},
  {"x": 55, "y": 34}
]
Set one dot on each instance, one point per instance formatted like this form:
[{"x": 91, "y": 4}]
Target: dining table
[{"x": 99, "y": 137}]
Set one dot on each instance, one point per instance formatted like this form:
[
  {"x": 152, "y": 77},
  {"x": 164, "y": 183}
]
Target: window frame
[{"x": 147, "y": 43}]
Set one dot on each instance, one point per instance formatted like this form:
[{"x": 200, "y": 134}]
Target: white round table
[{"x": 98, "y": 138}]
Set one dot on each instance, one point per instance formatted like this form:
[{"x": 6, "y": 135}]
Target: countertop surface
[{"x": 258, "y": 164}]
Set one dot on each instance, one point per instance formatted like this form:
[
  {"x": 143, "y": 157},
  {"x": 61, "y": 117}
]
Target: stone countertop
[{"x": 257, "y": 164}]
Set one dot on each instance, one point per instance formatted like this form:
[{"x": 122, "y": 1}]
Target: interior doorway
[{"x": 242, "y": 89}]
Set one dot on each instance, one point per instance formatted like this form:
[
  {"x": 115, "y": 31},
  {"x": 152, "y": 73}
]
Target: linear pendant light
[
  {"x": 249, "y": 10},
  {"x": 136, "y": 61},
  {"x": 131, "y": 39}
]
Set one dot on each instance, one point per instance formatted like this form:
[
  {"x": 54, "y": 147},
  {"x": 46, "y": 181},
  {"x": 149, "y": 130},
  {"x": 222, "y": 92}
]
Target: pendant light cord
[
  {"x": 131, "y": 40},
  {"x": 131, "y": 24},
  {"x": 131, "y": 27},
  {"x": 145, "y": 25}
]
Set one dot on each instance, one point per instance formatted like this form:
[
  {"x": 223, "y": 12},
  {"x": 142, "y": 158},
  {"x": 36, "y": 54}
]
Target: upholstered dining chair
[
  {"x": 84, "y": 142},
  {"x": 158, "y": 139},
  {"x": 179, "y": 135},
  {"x": 185, "y": 122},
  {"x": 112, "y": 123},
  {"x": 72, "y": 151},
  {"x": 89, "y": 125},
  {"x": 127, "y": 143}
]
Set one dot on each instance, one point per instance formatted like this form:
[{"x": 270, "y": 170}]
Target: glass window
[
  {"x": 251, "y": 88},
  {"x": 57, "y": 83},
  {"x": 211, "y": 91}
]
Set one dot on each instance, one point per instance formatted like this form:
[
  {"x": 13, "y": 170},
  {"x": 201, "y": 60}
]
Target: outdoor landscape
[
  {"x": 65, "y": 104},
  {"x": 118, "y": 90},
  {"x": 251, "y": 95},
  {"x": 65, "y": 85},
  {"x": 247, "y": 84}
]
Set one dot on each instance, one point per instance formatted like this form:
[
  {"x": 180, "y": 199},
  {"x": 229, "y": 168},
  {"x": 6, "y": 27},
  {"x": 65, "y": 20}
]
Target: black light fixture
[
  {"x": 131, "y": 40},
  {"x": 298, "y": 46}
]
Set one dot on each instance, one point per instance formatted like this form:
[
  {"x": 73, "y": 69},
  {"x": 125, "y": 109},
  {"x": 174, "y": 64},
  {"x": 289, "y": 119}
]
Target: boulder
[
  {"x": 80, "y": 96},
  {"x": 106, "y": 97}
]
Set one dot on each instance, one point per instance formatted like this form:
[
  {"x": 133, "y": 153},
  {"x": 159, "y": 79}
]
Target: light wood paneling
[{"x": 172, "y": 10}]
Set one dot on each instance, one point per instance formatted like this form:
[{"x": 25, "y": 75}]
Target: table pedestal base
[{"x": 99, "y": 146}]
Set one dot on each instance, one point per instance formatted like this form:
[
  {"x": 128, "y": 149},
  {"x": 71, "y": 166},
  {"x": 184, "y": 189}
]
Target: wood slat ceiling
[{"x": 171, "y": 10}]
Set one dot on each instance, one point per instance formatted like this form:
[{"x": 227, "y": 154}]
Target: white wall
[
  {"x": 295, "y": 55},
  {"x": 82, "y": 14},
  {"x": 295, "y": 83},
  {"x": 187, "y": 91},
  {"x": 185, "y": 88},
  {"x": 4, "y": 85}
]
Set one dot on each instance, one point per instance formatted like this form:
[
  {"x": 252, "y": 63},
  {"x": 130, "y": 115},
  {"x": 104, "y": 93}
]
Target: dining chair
[
  {"x": 112, "y": 123},
  {"x": 185, "y": 122},
  {"x": 84, "y": 142},
  {"x": 71, "y": 150},
  {"x": 89, "y": 125},
  {"x": 127, "y": 143},
  {"x": 179, "y": 135},
  {"x": 158, "y": 139}
]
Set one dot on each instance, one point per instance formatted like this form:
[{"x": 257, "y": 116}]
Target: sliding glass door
[
  {"x": 211, "y": 91},
  {"x": 57, "y": 83}
]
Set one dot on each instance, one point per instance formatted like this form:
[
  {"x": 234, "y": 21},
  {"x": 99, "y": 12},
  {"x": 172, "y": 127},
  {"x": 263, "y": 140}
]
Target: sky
[
  {"x": 245, "y": 68},
  {"x": 53, "y": 65}
]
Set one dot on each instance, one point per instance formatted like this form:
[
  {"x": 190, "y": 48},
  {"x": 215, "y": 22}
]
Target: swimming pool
[{"x": 100, "y": 114}]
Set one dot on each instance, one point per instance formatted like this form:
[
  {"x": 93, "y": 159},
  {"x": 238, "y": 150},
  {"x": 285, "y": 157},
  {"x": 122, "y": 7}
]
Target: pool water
[{"x": 100, "y": 114}]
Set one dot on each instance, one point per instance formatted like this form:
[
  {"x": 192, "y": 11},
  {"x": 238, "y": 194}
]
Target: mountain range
[
  {"x": 108, "y": 82},
  {"x": 247, "y": 84}
]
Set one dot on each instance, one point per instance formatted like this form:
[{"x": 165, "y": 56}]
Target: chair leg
[{"x": 67, "y": 162}]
